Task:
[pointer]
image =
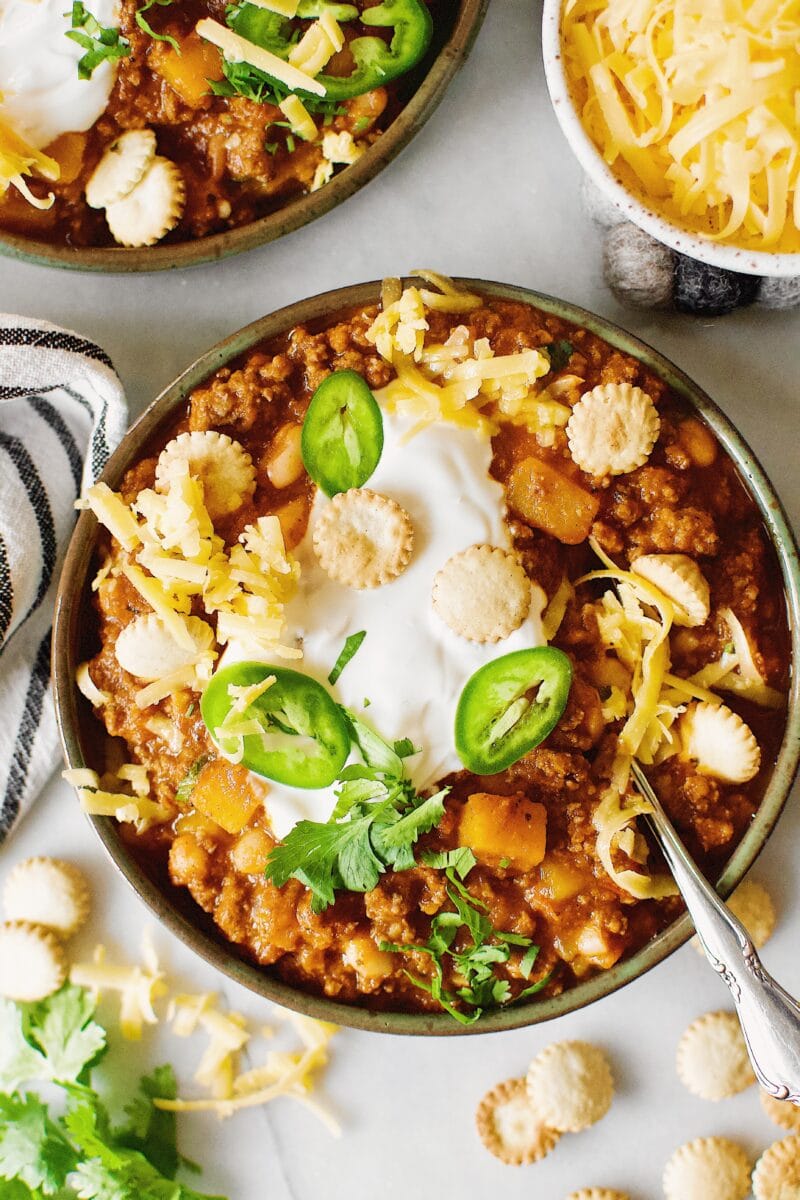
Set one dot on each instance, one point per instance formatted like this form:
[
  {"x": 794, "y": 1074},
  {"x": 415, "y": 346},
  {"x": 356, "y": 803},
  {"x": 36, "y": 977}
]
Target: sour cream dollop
[
  {"x": 41, "y": 95},
  {"x": 410, "y": 667}
]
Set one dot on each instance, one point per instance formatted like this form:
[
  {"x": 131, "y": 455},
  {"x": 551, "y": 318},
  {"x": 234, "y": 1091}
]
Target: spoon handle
[{"x": 769, "y": 1017}]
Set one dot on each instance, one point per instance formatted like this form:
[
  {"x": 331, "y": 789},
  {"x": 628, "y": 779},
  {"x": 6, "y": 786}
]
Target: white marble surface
[{"x": 487, "y": 189}]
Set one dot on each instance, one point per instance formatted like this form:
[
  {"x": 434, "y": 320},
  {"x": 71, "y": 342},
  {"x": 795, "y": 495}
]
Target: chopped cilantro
[
  {"x": 290, "y": 143},
  {"x": 186, "y": 786},
  {"x": 729, "y": 648},
  {"x": 475, "y": 948},
  {"x": 361, "y": 124},
  {"x": 101, "y": 44},
  {"x": 504, "y": 862},
  {"x": 145, "y": 26},
  {"x": 80, "y": 1151},
  {"x": 271, "y": 147},
  {"x": 559, "y": 354},
  {"x": 377, "y": 819},
  {"x": 349, "y": 650},
  {"x": 191, "y": 708}
]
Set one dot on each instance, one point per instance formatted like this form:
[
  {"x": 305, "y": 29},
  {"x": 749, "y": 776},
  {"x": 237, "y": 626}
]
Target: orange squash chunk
[
  {"x": 511, "y": 829},
  {"x": 68, "y": 151},
  {"x": 551, "y": 501},
  {"x": 188, "y": 73},
  {"x": 223, "y": 794}
]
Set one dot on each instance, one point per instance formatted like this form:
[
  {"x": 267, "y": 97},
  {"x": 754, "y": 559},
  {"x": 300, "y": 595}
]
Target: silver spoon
[{"x": 769, "y": 1017}]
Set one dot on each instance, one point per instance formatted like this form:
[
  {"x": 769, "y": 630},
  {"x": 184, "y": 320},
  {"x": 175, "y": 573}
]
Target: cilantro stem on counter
[
  {"x": 475, "y": 948},
  {"x": 101, "y": 44},
  {"x": 373, "y": 828},
  {"x": 79, "y": 1152},
  {"x": 351, "y": 646}
]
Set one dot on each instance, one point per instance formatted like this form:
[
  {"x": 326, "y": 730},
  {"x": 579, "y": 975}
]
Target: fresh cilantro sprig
[
  {"x": 348, "y": 651},
  {"x": 377, "y": 819},
  {"x": 102, "y": 44},
  {"x": 147, "y": 28},
  {"x": 80, "y": 1151},
  {"x": 466, "y": 937}
]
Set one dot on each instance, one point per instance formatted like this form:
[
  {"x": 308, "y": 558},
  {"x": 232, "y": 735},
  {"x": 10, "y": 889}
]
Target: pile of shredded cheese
[
  {"x": 226, "y": 1088},
  {"x": 696, "y": 106},
  {"x": 460, "y": 380}
]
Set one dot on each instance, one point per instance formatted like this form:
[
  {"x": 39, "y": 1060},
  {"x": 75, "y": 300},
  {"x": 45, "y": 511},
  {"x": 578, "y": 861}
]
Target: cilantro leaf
[
  {"x": 466, "y": 941},
  {"x": 559, "y": 354},
  {"x": 19, "y": 1061},
  {"x": 349, "y": 649},
  {"x": 186, "y": 786},
  {"x": 153, "y": 1130},
  {"x": 145, "y": 26},
  {"x": 375, "y": 823},
  {"x": 102, "y": 44},
  {"x": 32, "y": 1147},
  {"x": 61, "y": 1027}
]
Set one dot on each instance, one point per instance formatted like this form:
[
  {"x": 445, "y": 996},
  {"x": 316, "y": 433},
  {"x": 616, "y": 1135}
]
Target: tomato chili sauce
[
  {"x": 238, "y": 158},
  {"x": 688, "y": 498}
]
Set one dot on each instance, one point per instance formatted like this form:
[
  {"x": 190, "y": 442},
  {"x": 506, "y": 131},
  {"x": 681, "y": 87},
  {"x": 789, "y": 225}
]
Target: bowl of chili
[
  {"x": 486, "y": 694},
  {"x": 407, "y": 54}
]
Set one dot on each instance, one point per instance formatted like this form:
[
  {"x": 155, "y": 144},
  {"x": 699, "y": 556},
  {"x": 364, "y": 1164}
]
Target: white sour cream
[
  {"x": 41, "y": 95},
  {"x": 411, "y": 666}
]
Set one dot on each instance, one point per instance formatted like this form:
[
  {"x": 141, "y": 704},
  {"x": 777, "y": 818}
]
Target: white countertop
[{"x": 488, "y": 189}]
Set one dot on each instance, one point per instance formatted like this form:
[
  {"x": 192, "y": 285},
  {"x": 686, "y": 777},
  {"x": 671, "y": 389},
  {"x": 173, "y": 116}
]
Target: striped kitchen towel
[{"x": 62, "y": 411}]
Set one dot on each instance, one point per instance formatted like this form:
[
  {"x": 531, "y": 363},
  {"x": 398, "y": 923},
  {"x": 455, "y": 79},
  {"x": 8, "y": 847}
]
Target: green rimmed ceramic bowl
[
  {"x": 79, "y": 729},
  {"x": 458, "y": 25}
]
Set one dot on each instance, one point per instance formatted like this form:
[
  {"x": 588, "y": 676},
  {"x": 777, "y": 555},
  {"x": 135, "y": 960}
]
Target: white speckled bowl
[{"x": 733, "y": 258}]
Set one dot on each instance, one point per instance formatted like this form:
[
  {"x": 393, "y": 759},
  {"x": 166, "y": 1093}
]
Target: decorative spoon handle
[{"x": 769, "y": 1017}]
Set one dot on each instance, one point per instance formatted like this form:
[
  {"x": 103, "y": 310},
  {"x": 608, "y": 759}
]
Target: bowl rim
[
  {"x": 300, "y": 211},
  {"x": 684, "y": 241},
  {"x": 223, "y": 955}
]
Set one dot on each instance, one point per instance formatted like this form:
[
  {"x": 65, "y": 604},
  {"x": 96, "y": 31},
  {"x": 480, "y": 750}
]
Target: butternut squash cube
[
  {"x": 68, "y": 151},
  {"x": 550, "y": 500},
  {"x": 507, "y": 829},
  {"x": 561, "y": 880},
  {"x": 188, "y": 73},
  {"x": 224, "y": 795}
]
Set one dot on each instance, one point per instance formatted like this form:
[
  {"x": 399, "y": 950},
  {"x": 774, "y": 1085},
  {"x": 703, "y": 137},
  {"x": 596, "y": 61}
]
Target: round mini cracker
[
  {"x": 122, "y": 166},
  {"x": 782, "y": 1112},
  {"x": 752, "y": 904},
  {"x": 32, "y": 961},
  {"x": 570, "y": 1085},
  {"x": 482, "y": 593},
  {"x": 712, "y": 1058},
  {"x": 509, "y": 1128},
  {"x": 222, "y": 465},
  {"x": 613, "y": 429},
  {"x": 49, "y": 892},
  {"x": 598, "y": 1194},
  {"x": 777, "y": 1173},
  {"x": 151, "y": 209},
  {"x": 710, "y": 1168},
  {"x": 363, "y": 539}
]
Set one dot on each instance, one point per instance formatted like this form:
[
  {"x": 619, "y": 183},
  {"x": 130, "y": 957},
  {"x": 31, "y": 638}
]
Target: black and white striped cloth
[{"x": 62, "y": 411}]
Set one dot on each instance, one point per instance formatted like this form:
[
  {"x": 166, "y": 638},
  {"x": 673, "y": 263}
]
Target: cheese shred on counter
[{"x": 695, "y": 104}]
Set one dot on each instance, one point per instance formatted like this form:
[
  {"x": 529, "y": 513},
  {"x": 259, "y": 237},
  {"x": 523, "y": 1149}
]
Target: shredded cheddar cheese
[
  {"x": 18, "y": 160},
  {"x": 138, "y": 987},
  {"x": 299, "y": 118},
  {"x": 293, "y": 74},
  {"x": 317, "y": 47},
  {"x": 694, "y": 105}
]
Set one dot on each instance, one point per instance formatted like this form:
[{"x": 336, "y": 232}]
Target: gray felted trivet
[{"x": 647, "y": 274}]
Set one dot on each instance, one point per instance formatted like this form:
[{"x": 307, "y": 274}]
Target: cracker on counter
[
  {"x": 570, "y": 1085},
  {"x": 612, "y": 429},
  {"x": 712, "y": 1057},
  {"x": 681, "y": 580},
  {"x": 48, "y": 892},
  {"x": 222, "y": 465},
  {"x": 363, "y": 539},
  {"x": 32, "y": 961},
  {"x": 598, "y": 1194},
  {"x": 782, "y": 1112},
  {"x": 708, "y": 1168},
  {"x": 777, "y": 1172},
  {"x": 482, "y": 593},
  {"x": 509, "y": 1128},
  {"x": 752, "y": 904}
]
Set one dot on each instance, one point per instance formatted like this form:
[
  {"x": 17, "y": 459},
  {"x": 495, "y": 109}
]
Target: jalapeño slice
[
  {"x": 509, "y": 706},
  {"x": 293, "y": 732},
  {"x": 342, "y": 438}
]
